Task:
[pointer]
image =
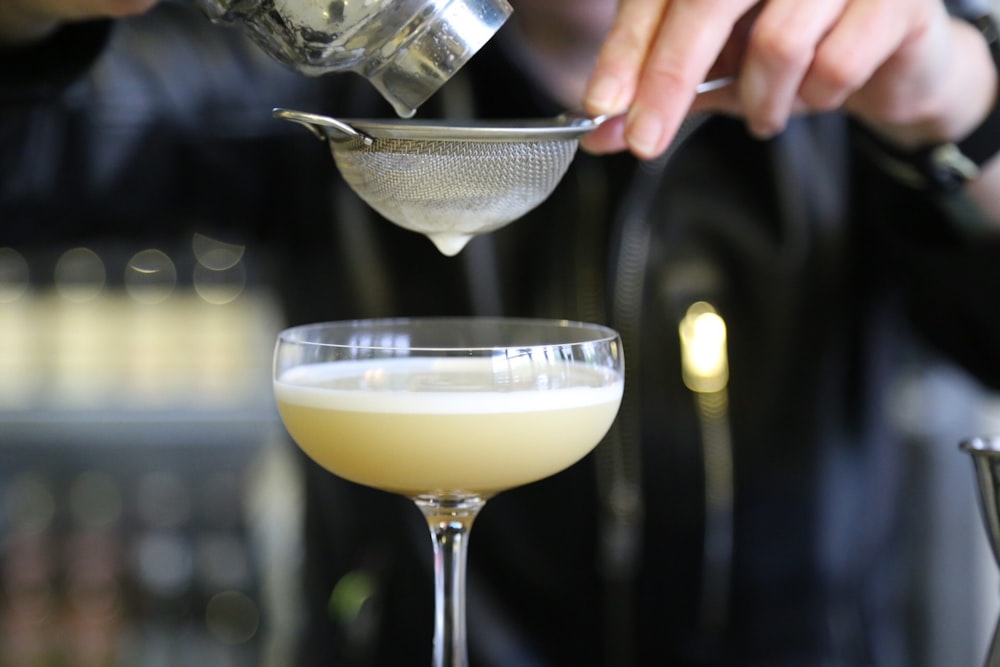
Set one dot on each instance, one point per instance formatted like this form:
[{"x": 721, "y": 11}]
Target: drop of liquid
[{"x": 450, "y": 244}]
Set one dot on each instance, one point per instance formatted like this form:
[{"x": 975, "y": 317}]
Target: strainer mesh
[{"x": 453, "y": 186}]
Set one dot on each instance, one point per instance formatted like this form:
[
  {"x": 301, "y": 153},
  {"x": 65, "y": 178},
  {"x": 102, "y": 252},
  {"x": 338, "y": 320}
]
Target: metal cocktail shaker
[
  {"x": 407, "y": 49},
  {"x": 985, "y": 454}
]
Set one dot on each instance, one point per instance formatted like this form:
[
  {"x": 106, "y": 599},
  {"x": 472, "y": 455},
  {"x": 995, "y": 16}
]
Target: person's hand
[
  {"x": 26, "y": 21},
  {"x": 904, "y": 67}
]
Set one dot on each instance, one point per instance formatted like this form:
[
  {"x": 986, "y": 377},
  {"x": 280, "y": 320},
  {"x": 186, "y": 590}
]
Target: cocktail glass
[{"x": 448, "y": 412}]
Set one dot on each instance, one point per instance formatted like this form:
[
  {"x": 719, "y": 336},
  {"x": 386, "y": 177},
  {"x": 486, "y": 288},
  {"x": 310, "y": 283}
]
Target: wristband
[{"x": 946, "y": 167}]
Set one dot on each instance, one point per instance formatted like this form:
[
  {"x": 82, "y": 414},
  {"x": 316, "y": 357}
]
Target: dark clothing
[{"x": 822, "y": 268}]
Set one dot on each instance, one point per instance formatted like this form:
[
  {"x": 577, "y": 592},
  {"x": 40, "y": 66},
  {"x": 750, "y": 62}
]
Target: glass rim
[{"x": 297, "y": 334}]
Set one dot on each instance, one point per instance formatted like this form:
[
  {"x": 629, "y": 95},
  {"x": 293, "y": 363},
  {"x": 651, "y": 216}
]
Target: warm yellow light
[{"x": 705, "y": 361}]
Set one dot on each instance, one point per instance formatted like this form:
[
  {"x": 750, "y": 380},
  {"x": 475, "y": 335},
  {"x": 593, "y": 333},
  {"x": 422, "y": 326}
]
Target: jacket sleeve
[{"x": 944, "y": 256}]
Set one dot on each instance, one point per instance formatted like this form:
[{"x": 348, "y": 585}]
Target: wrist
[
  {"x": 944, "y": 144},
  {"x": 954, "y": 108}
]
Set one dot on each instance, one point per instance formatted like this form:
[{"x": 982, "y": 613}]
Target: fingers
[
  {"x": 864, "y": 38},
  {"x": 609, "y": 137},
  {"x": 615, "y": 79},
  {"x": 655, "y": 55},
  {"x": 691, "y": 36},
  {"x": 781, "y": 49},
  {"x": 795, "y": 55}
]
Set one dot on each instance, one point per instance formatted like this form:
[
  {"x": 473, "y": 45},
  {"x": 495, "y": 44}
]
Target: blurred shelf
[
  {"x": 109, "y": 429},
  {"x": 136, "y": 419}
]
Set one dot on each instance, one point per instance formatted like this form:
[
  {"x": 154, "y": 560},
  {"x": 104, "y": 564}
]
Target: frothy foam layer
[{"x": 446, "y": 386}]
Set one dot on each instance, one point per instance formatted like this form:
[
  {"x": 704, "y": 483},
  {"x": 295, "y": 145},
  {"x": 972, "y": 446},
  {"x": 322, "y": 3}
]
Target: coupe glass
[{"x": 448, "y": 412}]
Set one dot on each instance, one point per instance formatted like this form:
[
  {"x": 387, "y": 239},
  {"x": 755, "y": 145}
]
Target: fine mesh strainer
[{"x": 450, "y": 180}]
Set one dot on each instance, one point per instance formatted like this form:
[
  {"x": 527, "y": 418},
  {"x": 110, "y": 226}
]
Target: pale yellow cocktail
[{"x": 441, "y": 426}]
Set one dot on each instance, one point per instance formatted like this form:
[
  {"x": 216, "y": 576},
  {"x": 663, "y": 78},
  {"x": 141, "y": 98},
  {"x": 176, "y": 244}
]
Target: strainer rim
[
  {"x": 565, "y": 127},
  {"x": 537, "y": 129}
]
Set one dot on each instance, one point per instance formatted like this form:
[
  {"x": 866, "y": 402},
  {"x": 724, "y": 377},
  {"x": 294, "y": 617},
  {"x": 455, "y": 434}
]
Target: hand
[
  {"x": 26, "y": 21},
  {"x": 903, "y": 66}
]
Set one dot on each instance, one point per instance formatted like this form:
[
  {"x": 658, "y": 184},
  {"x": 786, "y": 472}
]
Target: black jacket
[{"x": 823, "y": 269}]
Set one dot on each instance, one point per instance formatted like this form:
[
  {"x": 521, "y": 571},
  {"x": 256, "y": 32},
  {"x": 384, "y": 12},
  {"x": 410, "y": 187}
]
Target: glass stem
[{"x": 450, "y": 520}]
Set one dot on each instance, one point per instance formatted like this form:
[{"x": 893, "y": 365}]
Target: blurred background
[{"x": 145, "y": 489}]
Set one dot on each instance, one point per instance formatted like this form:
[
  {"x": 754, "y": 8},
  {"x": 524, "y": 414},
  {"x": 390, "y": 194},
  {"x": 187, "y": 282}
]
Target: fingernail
[
  {"x": 644, "y": 132},
  {"x": 602, "y": 96},
  {"x": 754, "y": 92}
]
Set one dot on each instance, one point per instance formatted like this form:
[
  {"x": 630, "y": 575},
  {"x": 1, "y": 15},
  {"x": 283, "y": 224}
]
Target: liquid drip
[{"x": 450, "y": 244}]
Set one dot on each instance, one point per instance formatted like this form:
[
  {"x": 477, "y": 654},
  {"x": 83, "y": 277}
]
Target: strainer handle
[
  {"x": 714, "y": 84},
  {"x": 320, "y": 125}
]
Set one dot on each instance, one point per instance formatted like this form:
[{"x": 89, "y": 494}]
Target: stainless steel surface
[
  {"x": 450, "y": 181},
  {"x": 407, "y": 49},
  {"x": 714, "y": 84},
  {"x": 566, "y": 126},
  {"x": 985, "y": 453}
]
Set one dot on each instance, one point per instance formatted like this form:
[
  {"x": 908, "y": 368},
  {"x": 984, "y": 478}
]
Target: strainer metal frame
[{"x": 565, "y": 127}]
